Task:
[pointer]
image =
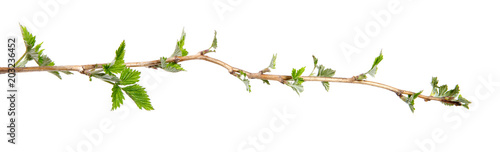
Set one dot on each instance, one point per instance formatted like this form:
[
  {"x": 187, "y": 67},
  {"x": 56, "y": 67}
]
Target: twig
[{"x": 84, "y": 69}]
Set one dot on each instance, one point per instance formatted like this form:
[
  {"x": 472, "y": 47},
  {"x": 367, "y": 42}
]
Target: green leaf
[
  {"x": 434, "y": 85},
  {"x": 118, "y": 64},
  {"x": 120, "y": 53},
  {"x": 179, "y": 48},
  {"x": 243, "y": 77},
  {"x": 106, "y": 69},
  {"x": 43, "y": 60},
  {"x": 117, "y": 96},
  {"x": 326, "y": 85},
  {"x": 37, "y": 48},
  {"x": 442, "y": 90},
  {"x": 315, "y": 61},
  {"x": 374, "y": 68},
  {"x": 415, "y": 95},
  {"x": 453, "y": 92},
  {"x": 129, "y": 76},
  {"x": 464, "y": 101},
  {"x": 272, "y": 65},
  {"x": 322, "y": 72},
  {"x": 29, "y": 39},
  {"x": 298, "y": 88},
  {"x": 56, "y": 73},
  {"x": 66, "y": 72},
  {"x": 247, "y": 85},
  {"x": 184, "y": 52},
  {"x": 297, "y": 73},
  {"x": 34, "y": 53},
  {"x": 170, "y": 66},
  {"x": 410, "y": 100},
  {"x": 139, "y": 95},
  {"x": 266, "y": 82},
  {"x": 214, "y": 42},
  {"x": 297, "y": 80},
  {"x": 412, "y": 107},
  {"x": 372, "y": 72}
]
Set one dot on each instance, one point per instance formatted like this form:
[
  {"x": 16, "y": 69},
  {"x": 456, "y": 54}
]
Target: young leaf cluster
[
  {"x": 272, "y": 65},
  {"x": 410, "y": 100},
  {"x": 118, "y": 64},
  {"x": 179, "y": 48},
  {"x": 373, "y": 69},
  {"x": 212, "y": 47},
  {"x": 315, "y": 61},
  {"x": 170, "y": 66},
  {"x": 126, "y": 82},
  {"x": 179, "y": 51},
  {"x": 322, "y": 72},
  {"x": 214, "y": 43},
  {"x": 35, "y": 53},
  {"x": 243, "y": 77},
  {"x": 296, "y": 83},
  {"x": 450, "y": 95}
]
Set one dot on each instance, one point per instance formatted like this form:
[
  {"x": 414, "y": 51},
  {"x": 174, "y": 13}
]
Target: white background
[{"x": 206, "y": 109}]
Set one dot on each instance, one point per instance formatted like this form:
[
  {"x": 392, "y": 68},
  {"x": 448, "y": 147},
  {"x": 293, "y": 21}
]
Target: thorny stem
[{"x": 85, "y": 69}]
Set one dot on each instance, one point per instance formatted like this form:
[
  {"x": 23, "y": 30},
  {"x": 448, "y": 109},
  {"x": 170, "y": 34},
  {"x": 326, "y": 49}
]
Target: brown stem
[{"x": 259, "y": 75}]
